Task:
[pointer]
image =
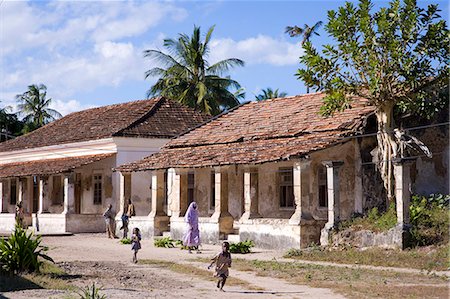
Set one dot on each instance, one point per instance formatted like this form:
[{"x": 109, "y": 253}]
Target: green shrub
[
  {"x": 373, "y": 221},
  {"x": 91, "y": 292},
  {"x": 125, "y": 241},
  {"x": 429, "y": 219},
  {"x": 165, "y": 242},
  {"x": 22, "y": 252},
  {"x": 241, "y": 247}
]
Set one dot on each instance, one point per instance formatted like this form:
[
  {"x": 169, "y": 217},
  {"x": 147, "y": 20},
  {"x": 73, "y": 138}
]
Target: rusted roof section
[
  {"x": 153, "y": 118},
  {"x": 259, "y": 132},
  {"x": 48, "y": 166}
]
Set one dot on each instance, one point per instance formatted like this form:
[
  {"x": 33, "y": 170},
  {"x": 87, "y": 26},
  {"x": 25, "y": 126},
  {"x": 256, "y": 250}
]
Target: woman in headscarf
[{"x": 192, "y": 237}]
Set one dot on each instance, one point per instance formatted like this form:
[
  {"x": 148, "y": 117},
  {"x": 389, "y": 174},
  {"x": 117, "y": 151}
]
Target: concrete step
[{"x": 233, "y": 238}]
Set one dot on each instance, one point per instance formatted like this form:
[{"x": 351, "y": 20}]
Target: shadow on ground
[{"x": 9, "y": 283}]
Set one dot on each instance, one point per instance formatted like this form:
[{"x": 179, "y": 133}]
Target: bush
[
  {"x": 91, "y": 292},
  {"x": 21, "y": 252},
  {"x": 374, "y": 221},
  {"x": 125, "y": 241},
  {"x": 241, "y": 247},
  {"x": 429, "y": 219},
  {"x": 165, "y": 242}
]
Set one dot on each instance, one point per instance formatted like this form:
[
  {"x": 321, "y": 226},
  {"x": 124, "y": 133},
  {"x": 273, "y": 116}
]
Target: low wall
[
  {"x": 85, "y": 223},
  {"x": 365, "y": 238},
  {"x": 270, "y": 233},
  {"x": 7, "y": 222},
  {"x": 144, "y": 223},
  {"x": 209, "y": 231},
  {"x": 49, "y": 223}
]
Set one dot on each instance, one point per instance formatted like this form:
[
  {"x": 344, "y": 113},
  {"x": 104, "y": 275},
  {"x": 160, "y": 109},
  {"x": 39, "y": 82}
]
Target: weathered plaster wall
[
  {"x": 432, "y": 175},
  {"x": 269, "y": 198},
  {"x": 202, "y": 185},
  {"x": 236, "y": 192},
  {"x": 344, "y": 152},
  {"x": 141, "y": 192}
]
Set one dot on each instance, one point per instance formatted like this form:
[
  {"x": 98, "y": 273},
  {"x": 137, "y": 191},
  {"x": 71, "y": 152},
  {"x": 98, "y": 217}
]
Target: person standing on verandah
[
  {"x": 109, "y": 220},
  {"x": 192, "y": 237}
]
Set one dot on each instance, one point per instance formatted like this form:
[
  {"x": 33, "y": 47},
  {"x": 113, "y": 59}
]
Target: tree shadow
[{"x": 9, "y": 283}]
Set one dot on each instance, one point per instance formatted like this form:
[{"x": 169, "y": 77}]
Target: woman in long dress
[{"x": 192, "y": 237}]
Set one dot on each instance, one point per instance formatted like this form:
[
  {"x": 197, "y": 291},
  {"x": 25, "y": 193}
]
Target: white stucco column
[
  {"x": 1, "y": 197},
  {"x": 157, "y": 193},
  {"x": 177, "y": 191},
  {"x": 301, "y": 172},
  {"x": 20, "y": 191},
  {"x": 69, "y": 194},
  {"x": 334, "y": 209},
  {"x": 42, "y": 194},
  {"x": 251, "y": 204},
  {"x": 124, "y": 192},
  {"x": 221, "y": 214},
  {"x": 358, "y": 179},
  {"x": 333, "y": 200},
  {"x": 402, "y": 189}
]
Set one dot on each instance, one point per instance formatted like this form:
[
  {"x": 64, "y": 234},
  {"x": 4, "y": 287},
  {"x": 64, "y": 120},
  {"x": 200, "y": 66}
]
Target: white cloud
[
  {"x": 66, "y": 107},
  {"x": 257, "y": 50}
]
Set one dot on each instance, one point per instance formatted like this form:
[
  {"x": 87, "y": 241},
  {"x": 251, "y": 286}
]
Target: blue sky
[{"x": 90, "y": 53}]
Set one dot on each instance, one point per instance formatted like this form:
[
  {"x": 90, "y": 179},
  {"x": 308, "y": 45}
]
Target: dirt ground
[{"x": 88, "y": 258}]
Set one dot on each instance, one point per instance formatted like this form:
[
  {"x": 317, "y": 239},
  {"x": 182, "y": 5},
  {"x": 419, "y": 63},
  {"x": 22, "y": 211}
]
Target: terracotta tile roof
[
  {"x": 48, "y": 166},
  {"x": 259, "y": 132},
  {"x": 153, "y": 118}
]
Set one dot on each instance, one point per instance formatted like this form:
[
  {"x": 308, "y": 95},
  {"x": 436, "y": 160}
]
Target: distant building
[{"x": 62, "y": 172}]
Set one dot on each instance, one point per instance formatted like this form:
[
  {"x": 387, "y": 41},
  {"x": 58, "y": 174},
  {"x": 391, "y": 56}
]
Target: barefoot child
[
  {"x": 223, "y": 262},
  {"x": 135, "y": 243}
]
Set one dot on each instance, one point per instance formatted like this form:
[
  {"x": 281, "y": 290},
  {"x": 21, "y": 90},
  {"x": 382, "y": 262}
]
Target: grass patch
[
  {"x": 50, "y": 277},
  {"x": 197, "y": 272},
  {"x": 429, "y": 258},
  {"x": 351, "y": 282},
  {"x": 125, "y": 241}
]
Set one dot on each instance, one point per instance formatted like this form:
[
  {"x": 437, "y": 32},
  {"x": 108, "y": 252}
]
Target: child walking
[
  {"x": 223, "y": 262},
  {"x": 135, "y": 243}
]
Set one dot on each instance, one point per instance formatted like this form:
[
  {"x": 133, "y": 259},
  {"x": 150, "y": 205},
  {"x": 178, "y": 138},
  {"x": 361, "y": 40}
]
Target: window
[
  {"x": 57, "y": 190},
  {"x": 13, "y": 192},
  {"x": 97, "y": 182},
  {"x": 212, "y": 196},
  {"x": 323, "y": 192},
  {"x": 286, "y": 188},
  {"x": 190, "y": 187}
]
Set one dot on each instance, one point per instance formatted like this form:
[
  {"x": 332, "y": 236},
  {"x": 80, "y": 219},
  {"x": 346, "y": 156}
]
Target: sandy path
[{"x": 93, "y": 256}]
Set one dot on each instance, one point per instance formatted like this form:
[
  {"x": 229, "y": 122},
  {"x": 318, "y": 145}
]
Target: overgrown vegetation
[
  {"x": 91, "y": 292},
  {"x": 430, "y": 219},
  {"x": 22, "y": 252},
  {"x": 241, "y": 247},
  {"x": 165, "y": 242},
  {"x": 374, "y": 221}
]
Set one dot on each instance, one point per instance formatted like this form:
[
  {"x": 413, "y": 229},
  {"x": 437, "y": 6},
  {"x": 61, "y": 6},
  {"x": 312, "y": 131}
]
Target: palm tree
[
  {"x": 188, "y": 78},
  {"x": 10, "y": 125},
  {"x": 268, "y": 93},
  {"x": 305, "y": 32},
  {"x": 34, "y": 106}
]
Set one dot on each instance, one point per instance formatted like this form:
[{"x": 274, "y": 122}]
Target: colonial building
[
  {"x": 62, "y": 172},
  {"x": 275, "y": 172}
]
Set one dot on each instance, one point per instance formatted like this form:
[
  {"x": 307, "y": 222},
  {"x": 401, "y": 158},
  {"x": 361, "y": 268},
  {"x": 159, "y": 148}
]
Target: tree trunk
[{"x": 387, "y": 147}]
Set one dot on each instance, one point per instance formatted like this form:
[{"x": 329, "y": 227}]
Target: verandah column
[
  {"x": 69, "y": 194},
  {"x": 221, "y": 214},
  {"x": 124, "y": 192},
  {"x": 301, "y": 171},
  {"x": 157, "y": 215},
  {"x": 251, "y": 194},
  {"x": 1, "y": 197},
  {"x": 43, "y": 186},
  {"x": 333, "y": 199},
  {"x": 402, "y": 177}
]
